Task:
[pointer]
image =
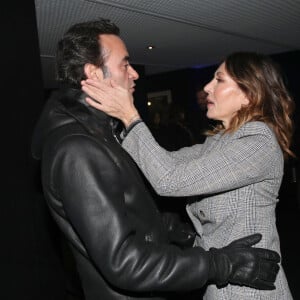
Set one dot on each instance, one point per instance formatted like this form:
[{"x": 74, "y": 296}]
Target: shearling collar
[{"x": 67, "y": 106}]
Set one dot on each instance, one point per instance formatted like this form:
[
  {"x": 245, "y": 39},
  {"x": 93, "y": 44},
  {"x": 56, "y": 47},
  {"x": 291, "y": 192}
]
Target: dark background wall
[
  {"x": 32, "y": 261},
  {"x": 30, "y": 264}
]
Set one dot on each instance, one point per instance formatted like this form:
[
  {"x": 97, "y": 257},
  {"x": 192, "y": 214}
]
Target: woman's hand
[{"x": 111, "y": 98}]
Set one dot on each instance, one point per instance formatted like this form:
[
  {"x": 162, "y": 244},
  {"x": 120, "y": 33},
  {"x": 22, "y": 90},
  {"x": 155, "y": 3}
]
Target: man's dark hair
[{"x": 80, "y": 45}]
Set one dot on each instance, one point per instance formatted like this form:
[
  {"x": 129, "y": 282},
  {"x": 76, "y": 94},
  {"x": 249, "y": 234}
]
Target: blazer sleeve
[
  {"x": 246, "y": 159},
  {"x": 191, "y": 152},
  {"x": 87, "y": 180}
]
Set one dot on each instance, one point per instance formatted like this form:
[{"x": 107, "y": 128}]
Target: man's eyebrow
[{"x": 126, "y": 58}]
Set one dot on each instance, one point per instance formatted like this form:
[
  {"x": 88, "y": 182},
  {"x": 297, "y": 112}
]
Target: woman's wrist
[
  {"x": 132, "y": 125},
  {"x": 127, "y": 122}
]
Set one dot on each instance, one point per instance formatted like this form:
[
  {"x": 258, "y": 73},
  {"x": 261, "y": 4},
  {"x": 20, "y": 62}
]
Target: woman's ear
[
  {"x": 93, "y": 72},
  {"x": 245, "y": 100}
]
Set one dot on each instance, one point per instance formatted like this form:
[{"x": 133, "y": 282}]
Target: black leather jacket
[{"x": 97, "y": 196}]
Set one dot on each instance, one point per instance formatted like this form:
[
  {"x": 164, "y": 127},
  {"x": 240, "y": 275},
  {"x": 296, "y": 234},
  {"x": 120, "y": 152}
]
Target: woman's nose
[{"x": 207, "y": 87}]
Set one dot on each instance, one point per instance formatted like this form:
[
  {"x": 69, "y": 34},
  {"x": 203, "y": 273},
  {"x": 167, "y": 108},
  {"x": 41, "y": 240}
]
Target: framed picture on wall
[
  {"x": 158, "y": 104},
  {"x": 161, "y": 96}
]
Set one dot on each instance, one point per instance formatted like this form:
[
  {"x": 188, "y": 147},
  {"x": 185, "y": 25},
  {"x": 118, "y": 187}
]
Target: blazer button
[{"x": 149, "y": 238}]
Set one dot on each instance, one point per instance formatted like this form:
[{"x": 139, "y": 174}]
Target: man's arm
[
  {"x": 85, "y": 177},
  {"x": 88, "y": 181},
  {"x": 180, "y": 233}
]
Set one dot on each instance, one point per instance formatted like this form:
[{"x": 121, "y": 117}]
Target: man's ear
[{"x": 93, "y": 72}]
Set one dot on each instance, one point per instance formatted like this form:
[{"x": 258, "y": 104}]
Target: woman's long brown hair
[{"x": 269, "y": 101}]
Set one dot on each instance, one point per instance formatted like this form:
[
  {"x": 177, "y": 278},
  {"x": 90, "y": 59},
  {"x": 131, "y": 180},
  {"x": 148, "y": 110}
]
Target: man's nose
[{"x": 133, "y": 73}]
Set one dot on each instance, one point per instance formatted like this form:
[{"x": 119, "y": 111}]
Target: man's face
[{"x": 116, "y": 65}]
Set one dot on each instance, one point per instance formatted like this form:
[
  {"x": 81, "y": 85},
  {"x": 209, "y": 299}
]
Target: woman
[{"x": 239, "y": 168}]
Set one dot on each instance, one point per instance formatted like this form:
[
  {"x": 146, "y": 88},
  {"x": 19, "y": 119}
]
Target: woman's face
[{"x": 224, "y": 97}]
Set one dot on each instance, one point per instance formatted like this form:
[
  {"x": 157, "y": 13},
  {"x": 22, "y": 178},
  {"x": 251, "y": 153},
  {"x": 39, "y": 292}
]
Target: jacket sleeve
[
  {"x": 87, "y": 180},
  {"x": 180, "y": 233},
  {"x": 245, "y": 160}
]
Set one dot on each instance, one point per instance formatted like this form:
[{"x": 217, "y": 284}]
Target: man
[{"x": 123, "y": 247}]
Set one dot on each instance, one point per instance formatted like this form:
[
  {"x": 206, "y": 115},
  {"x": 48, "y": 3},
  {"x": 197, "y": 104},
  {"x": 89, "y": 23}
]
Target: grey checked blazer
[{"x": 238, "y": 177}]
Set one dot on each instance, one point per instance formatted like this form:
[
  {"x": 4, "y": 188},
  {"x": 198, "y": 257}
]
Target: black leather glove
[
  {"x": 239, "y": 263},
  {"x": 179, "y": 233}
]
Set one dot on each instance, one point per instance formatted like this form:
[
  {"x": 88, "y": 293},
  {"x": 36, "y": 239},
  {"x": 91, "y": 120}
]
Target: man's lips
[{"x": 209, "y": 102}]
